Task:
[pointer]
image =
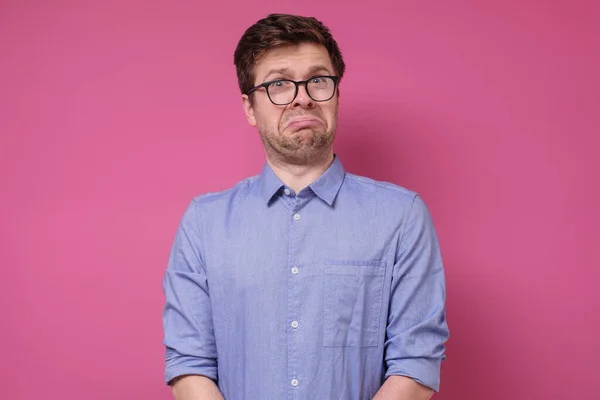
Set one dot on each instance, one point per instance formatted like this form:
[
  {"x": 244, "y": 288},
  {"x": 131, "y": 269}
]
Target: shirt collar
[
  {"x": 269, "y": 183},
  {"x": 326, "y": 187}
]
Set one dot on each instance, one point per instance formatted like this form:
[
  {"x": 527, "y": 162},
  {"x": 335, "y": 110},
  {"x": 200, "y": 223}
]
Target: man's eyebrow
[
  {"x": 284, "y": 71},
  {"x": 319, "y": 68},
  {"x": 278, "y": 71}
]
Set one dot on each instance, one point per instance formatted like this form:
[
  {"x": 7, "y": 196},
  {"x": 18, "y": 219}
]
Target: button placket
[{"x": 293, "y": 293}]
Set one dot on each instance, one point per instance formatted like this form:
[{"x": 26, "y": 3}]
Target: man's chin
[{"x": 303, "y": 135}]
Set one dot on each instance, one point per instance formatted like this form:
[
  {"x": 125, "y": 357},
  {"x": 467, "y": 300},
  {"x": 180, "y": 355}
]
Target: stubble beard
[{"x": 297, "y": 149}]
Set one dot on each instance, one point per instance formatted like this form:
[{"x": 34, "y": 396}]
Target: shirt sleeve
[
  {"x": 187, "y": 320},
  {"x": 416, "y": 327}
]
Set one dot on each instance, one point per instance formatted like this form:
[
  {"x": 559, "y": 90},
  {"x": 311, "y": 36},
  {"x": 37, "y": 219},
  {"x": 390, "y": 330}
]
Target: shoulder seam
[
  {"x": 383, "y": 185},
  {"x": 209, "y": 195},
  {"x": 405, "y": 221}
]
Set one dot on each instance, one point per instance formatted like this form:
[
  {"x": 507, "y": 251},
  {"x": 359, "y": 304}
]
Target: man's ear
[{"x": 248, "y": 109}]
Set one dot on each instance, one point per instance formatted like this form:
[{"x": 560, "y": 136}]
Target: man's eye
[
  {"x": 278, "y": 83},
  {"x": 316, "y": 80}
]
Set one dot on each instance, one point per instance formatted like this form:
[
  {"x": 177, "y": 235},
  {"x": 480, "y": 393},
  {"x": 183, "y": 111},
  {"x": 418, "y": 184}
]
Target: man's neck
[{"x": 297, "y": 177}]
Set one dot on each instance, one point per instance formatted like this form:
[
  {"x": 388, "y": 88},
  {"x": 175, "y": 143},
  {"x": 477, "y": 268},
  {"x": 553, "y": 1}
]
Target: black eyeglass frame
[{"x": 335, "y": 79}]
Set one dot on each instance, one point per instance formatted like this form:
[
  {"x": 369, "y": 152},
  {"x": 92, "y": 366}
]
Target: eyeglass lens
[{"x": 284, "y": 91}]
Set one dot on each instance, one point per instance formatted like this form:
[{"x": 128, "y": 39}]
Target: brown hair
[{"x": 278, "y": 30}]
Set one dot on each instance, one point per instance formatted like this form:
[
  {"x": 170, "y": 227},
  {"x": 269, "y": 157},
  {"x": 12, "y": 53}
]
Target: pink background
[{"x": 114, "y": 114}]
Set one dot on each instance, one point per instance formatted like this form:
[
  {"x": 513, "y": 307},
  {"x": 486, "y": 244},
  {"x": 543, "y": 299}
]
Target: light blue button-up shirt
[{"x": 320, "y": 294}]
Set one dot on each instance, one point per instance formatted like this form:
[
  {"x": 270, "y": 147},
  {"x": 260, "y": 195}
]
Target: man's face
[{"x": 302, "y": 132}]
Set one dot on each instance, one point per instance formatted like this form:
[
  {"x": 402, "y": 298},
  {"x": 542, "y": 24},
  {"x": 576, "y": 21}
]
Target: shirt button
[
  {"x": 297, "y": 217},
  {"x": 294, "y": 382},
  {"x": 294, "y": 270},
  {"x": 294, "y": 324},
  {"x": 286, "y": 191}
]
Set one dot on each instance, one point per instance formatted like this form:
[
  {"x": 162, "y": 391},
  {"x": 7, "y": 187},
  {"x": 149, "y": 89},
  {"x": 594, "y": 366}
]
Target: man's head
[{"x": 270, "y": 55}]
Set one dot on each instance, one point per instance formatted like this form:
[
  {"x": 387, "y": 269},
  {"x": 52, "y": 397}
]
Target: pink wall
[{"x": 114, "y": 114}]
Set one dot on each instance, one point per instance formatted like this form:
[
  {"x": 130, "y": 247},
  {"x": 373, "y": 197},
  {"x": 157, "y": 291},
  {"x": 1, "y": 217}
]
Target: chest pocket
[{"x": 352, "y": 303}]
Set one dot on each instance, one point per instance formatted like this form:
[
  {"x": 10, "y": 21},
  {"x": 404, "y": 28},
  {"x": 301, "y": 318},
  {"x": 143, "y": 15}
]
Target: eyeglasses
[{"x": 283, "y": 91}]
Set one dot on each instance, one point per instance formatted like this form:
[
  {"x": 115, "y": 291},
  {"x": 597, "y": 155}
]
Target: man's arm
[
  {"x": 400, "y": 388},
  {"x": 416, "y": 329},
  {"x": 191, "y": 353},
  {"x": 195, "y": 387}
]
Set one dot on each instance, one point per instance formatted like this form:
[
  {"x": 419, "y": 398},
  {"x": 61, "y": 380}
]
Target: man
[{"x": 304, "y": 282}]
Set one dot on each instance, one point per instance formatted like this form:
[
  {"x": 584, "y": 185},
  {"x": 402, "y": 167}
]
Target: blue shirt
[{"x": 320, "y": 294}]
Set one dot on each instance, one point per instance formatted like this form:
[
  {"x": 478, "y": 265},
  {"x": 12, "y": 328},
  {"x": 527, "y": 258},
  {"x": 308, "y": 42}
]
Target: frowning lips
[{"x": 304, "y": 121}]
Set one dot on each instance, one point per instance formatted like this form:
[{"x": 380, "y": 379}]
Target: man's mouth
[{"x": 303, "y": 122}]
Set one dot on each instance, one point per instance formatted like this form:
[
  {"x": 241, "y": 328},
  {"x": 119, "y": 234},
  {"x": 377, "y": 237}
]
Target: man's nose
[{"x": 302, "y": 98}]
